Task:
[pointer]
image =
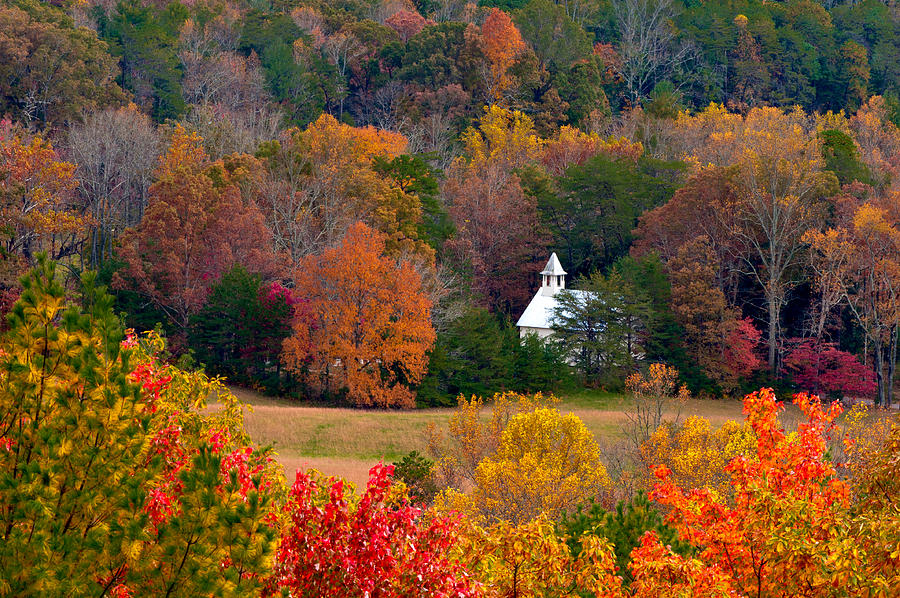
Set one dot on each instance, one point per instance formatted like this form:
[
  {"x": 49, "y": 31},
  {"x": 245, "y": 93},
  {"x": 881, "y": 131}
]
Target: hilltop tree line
[{"x": 350, "y": 201}]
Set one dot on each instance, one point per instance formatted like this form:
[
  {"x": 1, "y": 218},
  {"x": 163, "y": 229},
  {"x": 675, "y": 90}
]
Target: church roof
[
  {"x": 539, "y": 313},
  {"x": 553, "y": 267}
]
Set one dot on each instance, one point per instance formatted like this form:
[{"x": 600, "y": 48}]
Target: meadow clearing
[{"x": 347, "y": 442}]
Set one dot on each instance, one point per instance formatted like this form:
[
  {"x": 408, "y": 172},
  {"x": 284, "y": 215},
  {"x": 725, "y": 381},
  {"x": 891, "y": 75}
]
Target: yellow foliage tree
[
  {"x": 37, "y": 207},
  {"x": 780, "y": 184},
  {"x": 472, "y": 438},
  {"x": 655, "y": 396},
  {"x": 531, "y": 559},
  {"x": 504, "y": 138},
  {"x": 322, "y": 180},
  {"x": 696, "y": 453},
  {"x": 546, "y": 463}
]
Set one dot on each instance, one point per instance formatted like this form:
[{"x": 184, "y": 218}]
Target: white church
[{"x": 538, "y": 316}]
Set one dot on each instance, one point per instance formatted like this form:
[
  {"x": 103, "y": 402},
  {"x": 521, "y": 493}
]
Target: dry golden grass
[{"x": 347, "y": 442}]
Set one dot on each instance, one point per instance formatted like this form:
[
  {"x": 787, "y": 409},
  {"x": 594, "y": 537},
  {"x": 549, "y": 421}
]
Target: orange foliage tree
[
  {"x": 195, "y": 228},
  {"x": 38, "y": 211},
  {"x": 371, "y": 331},
  {"x": 321, "y": 180},
  {"x": 723, "y": 344},
  {"x": 787, "y": 530},
  {"x": 502, "y": 44}
]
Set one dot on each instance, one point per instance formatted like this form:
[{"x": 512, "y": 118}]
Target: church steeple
[{"x": 553, "y": 277}]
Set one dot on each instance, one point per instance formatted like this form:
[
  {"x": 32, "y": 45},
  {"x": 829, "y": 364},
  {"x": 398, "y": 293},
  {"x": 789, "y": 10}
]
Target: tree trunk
[
  {"x": 773, "y": 340},
  {"x": 892, "y": 362},
  {"x": 879, "y": 369}
]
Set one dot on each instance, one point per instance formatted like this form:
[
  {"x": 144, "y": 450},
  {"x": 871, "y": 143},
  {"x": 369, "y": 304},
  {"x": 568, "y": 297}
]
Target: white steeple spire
[{"x": 553, "y": 277}]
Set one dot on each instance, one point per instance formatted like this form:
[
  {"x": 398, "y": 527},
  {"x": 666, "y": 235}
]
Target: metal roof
[
  {"x": 553, "y": 267},
  {"x": 539, "y": 313}
]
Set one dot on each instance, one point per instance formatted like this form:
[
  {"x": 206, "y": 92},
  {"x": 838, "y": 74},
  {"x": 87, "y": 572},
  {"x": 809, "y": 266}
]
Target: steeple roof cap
[{"x": 553, "y": 267}]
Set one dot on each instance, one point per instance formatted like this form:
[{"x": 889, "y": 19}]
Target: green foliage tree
[
  {"x": 417, "y": 472},
  {"x": 297, "y": 76},
  {"x": 601, "y": 326},
  {"x": 240, "y": 331},
  {"x": 558, "y": 41},
  {"x": 842, "y": 158},
  {"x": 72, "y": 430},
  {"x": 413, "y": 175},
  {"x": 111, "y": 480},
  {"x": 434, "y": 58},
  {"x": 592, "y": 210},
  {"x": 144, "y": 39},
  {"x": 664, "y": 340},
  {"x": 581, "y": 87},
  {"x": 622, "y": 527},
  {"x": 480, "y": 354}
]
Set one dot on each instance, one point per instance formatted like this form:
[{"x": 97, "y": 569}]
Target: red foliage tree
[
  {"x": 741, "y": 347},
  {"x": 334, "y": 546},
  {"x": 820, "y": 367},
  {"x": 497, "y": 234},
  {"x": 195, "y": 228},
  {"x": 406, "y": 23}
]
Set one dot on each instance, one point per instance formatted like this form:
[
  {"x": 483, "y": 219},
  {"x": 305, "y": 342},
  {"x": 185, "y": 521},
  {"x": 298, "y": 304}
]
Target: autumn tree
[
  {"x": 533, "y": 559},
  {"x": 572, "y": 147},
  {"x": 874, "y": 467},
  {"x": 223, "y": 79},
  {"x": 39, "y": 210},
  {"x": 779, "y": 188},
  {"x": 337, "y": 544},
  {"x": 876, "y": 137},
  {"x": 470, "y": 438},
  {"x": 51, "y": 70},
  {"x": 858, "y": 263},
  {"x": 820, "y": 367},
  {"x": 323, "y": 179},
  {"x": 696, "y": 453},
  {"x": 722, "y": 342},
  {"x": 406, "y": 23},
  {"x": 497, "y": 238},
  {"x": 786, "y": 530},
  {"x": 371, "y": 330},
  {"x": 114, "y": 480},
  {"x": 546, "y": 462},
  {"x": 698, "y": 209},
  {"x": 502, "y": 44},
  {"x": 196, "y": 226},
  {"x": 657, "y": 399}
]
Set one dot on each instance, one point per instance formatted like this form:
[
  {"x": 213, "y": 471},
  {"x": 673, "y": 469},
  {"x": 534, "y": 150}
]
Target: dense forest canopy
[{"x": 350, "y": 200}]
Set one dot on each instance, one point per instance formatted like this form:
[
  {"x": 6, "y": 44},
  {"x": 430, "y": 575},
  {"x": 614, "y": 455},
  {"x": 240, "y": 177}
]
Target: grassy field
[{"x": 347, "y": 442}]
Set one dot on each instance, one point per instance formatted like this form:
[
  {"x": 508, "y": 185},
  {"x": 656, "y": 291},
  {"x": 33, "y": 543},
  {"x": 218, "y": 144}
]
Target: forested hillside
[
  {"x": 349, "y": 204},
  {"x": 350, "y": 201}
]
